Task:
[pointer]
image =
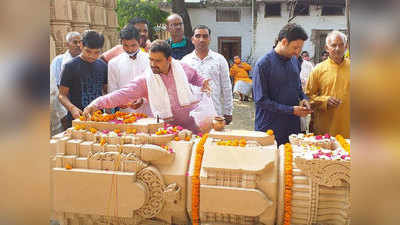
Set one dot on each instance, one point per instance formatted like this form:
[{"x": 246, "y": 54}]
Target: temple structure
[{"x": 81, "y": 15}]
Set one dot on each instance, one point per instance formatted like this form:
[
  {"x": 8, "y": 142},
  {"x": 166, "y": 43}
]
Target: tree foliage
[{"x": 148, "y": 9}]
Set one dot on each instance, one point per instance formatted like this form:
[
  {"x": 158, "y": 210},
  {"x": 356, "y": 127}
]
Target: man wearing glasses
[{"x": 180, "y": 45}]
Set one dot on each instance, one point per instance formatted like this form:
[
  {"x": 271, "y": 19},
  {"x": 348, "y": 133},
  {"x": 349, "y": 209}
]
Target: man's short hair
[
  {"x": 71, "y": 35},
  {"x": 304, "y": 52},
  {"x": 129, "y": 32},
  {"x": 292, "y": 32},
  {"x": 92, "y": 39},
  {"x": 137, "y": 20},
  {"x": 161, "y": 46},
  {"x": 201, "y": 27}
]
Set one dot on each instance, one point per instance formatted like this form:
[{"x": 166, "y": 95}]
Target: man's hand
[
  {"x": 333, "y": 102},
  {"x": 136, "y": 104},
  {"x": 228, "y": 119},
  {"x": 206, "y": 87},
  {"x": 305, "y": 104},
  {"x": 123, "y": 106},
  {"x": 76, "y": 112},
  {"x": 301, "y": 111},
  {"x": 88, "y": 111}
]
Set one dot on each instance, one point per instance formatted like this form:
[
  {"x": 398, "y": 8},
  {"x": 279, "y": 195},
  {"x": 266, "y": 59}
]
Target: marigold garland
[
  {"x": 345, "y": 145},
  {"x": 196, "y": 180},
  {"x": 288, "y": 184},
  {"x": 124, "y": 117},
  {"x": 242, "y": 142}
]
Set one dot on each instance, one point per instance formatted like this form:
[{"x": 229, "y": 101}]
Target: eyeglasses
[
  {"x": 76, "y": 41},
  {"x": 176, "y": 24}
]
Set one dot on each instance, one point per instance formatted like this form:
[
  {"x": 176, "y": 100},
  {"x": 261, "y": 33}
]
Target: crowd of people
[{"x": 168, "y": 79}]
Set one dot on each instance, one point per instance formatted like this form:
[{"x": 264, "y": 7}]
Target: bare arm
[{"x": 63, "y": 98}]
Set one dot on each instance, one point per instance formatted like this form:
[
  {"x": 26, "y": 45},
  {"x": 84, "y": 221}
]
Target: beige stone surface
[
  {"x": 81, "y": 15},
  {"x": 87, "y": 191},
  {"x": 261, "y": 137},
  {"x": 233, "y": 200},
  {"x": 238, "y": 185},
  {"x": 239, "y": 159}
]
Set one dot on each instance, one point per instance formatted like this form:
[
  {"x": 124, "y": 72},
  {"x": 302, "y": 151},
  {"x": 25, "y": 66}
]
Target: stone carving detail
[
  {"x": 172, "y": 193},
  {"x": 313, "y": 210},
  {"x": 228, "y": 218},
  {"x": 325, "y": 172},
  {"x": 153, "y": 180},
  {"x": 139, "y": 164}
]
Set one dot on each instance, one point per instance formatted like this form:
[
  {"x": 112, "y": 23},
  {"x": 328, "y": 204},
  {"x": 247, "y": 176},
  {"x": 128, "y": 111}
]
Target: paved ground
[{"x": 243, "y": 115}]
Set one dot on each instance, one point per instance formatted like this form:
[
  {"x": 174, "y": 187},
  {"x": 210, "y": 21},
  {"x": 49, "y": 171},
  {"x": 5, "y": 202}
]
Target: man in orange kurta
[
  {"x": 328, "y": 88},
  {"x": 241, "y": 80}
]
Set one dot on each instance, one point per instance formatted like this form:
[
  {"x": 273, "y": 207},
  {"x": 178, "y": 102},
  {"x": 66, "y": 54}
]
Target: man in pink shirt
[
  {"x": 165, "y": 86},
  {"x": 142, "y": 26}
]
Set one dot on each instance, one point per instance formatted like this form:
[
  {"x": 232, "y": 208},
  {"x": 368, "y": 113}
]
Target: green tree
[{"x": 148, "y": 9}]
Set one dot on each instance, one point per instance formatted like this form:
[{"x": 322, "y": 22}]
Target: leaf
[{"x": 129, "y": 9}]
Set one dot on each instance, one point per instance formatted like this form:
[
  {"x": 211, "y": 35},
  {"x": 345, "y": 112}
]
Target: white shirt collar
[{"x": 209, "y": 55}]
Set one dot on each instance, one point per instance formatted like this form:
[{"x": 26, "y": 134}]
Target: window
[
  {"x": 332, "y": 11},
  {"x": 228, "y": 15},
  {"x": 302, "y": 9},
  {"x": 272, "y": 9}
]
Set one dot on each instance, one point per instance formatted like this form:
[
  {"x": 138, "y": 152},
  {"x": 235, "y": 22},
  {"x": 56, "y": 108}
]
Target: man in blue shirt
[{"x": 278, "y": 95}]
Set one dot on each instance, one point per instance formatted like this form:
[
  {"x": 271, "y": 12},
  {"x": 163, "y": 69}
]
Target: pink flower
[
  {"x": 318, "y": 137},
  {"x": 106, "y": 131},
  {"x": 327, "y": 136},
  {"x": 343, "y": 157},
  {"x": 315, "y": 156},
  {"x": 119, "y": 134},
  {"x": 179, "y": 128},
  {"x": 200, "y": 134}
]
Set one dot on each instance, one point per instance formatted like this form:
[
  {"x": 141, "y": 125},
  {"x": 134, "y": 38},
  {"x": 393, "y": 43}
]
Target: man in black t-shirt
[{"x": 84, "y": 78}]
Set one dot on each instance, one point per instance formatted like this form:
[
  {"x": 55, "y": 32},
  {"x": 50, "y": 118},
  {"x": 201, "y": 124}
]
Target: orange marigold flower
[
  {"x": 68, "y": 166},
  {"x": 270, "y": 132},
  {"x": 102, "y": 141},
  {"x": 93, "y": 130}
]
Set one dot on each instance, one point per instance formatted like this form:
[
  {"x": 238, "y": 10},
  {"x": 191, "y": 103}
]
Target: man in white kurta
[
  {"x": 213, "y": 66},
  {"x": 127, "y": 66}
]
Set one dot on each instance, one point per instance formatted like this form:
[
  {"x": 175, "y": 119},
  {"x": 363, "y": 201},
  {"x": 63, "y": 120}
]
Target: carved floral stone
[{"x": 325, "y": 172}]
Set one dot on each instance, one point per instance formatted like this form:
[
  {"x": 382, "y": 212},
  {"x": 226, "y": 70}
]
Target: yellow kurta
[
  {"x": 240, "y": 73},
  {"x": 326, "y": 80}
]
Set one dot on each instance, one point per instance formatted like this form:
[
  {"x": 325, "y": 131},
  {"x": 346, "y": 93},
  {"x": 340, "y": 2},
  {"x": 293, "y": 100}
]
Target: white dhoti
[{"x": 242, "y": 87}]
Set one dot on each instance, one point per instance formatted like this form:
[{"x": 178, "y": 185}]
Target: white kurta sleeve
[
  {"x": 113, "y": 76},
  {"x": 226, "y": 87}
]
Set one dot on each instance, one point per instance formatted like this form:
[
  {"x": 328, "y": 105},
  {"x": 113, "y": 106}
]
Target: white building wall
[
  {"x": 207, "y": 16},
  {"x": 268, "y": 28}
]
